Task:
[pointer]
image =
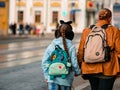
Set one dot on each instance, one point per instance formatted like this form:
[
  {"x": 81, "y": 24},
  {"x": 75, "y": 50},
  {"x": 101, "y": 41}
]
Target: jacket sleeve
[
  {"x": 74, "y": 61},
  {"x": 117, "y": 43},
  {"x": 45, "y": 62},
  {"x": 81, "y": 46},
  {"x": 117, "y": 48}
]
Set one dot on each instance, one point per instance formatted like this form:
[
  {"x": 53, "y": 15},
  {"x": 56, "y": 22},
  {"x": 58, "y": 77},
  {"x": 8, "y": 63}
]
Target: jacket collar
[{"x": 101, "y": 22}]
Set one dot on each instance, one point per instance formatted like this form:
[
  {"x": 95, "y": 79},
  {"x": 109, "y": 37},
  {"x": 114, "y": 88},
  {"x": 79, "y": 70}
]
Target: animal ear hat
[
  {"x": 70, "y": 33},
  {"x": 62, "y": 22}
]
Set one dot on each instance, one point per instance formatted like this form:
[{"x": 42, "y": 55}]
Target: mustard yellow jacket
[{"x": 111, "y": 68}]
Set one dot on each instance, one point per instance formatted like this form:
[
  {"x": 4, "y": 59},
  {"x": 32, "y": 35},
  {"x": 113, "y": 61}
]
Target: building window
[
  {"x": 37, "y": 16},
  {"x": 20, "y": 16},
  {"x": 54, "y": 16},
  {"x": 2, "y": 4}
]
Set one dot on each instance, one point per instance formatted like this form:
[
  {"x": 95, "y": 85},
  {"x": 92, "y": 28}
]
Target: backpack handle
[{"x": 58, "y": 47}]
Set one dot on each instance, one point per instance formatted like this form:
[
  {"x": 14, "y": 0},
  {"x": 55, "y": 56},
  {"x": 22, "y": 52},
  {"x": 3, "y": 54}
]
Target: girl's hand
[
  {"x": 46, "y": 81},
  {"x": 76, "y": 75}
]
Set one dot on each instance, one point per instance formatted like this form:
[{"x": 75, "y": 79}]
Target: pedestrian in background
[
  {"x": 27, "y": 28},
  {"x": 102, "y": 75},
  {"x": 57, "y": 24},
  {"x": 11, "y": 28},
  {"x": 42, "y": 28},
  {"x": 14, "y": 28},
  {"x": 64, "y": 38},
  {"x": 21, "y": 27}
]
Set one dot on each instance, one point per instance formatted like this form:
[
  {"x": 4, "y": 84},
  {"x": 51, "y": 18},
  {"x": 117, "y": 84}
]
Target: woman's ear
[{"x": 109, "y": 20}]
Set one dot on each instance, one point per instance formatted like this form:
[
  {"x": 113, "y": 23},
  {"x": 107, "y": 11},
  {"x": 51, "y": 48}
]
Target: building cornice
[
  {"x": 55, "y": 4},
  {"x": 21, "y": 3},
  {"x": 38, "y": 4}
]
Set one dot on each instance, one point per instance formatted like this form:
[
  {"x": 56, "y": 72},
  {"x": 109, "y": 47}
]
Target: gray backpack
[{"x": 96, "y": 49}]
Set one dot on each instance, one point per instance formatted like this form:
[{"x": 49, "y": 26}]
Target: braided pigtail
[
  {"x": 65, "y": 30},
  {"x": 64, "y": 39}
]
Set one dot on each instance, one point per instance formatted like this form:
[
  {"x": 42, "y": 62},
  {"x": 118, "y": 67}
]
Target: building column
[
  {"x": 12, "y": 14},
  {"x": 82, "y": 16},
  {"x": 29, "y": 11},
  {"x": 12, "y": 6},
  {"x": 46, "y": 17},
  {"x": 64, "y": 11}
]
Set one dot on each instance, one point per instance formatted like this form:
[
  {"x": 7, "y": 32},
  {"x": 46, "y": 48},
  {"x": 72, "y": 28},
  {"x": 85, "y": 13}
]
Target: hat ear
[
  {"x": 62, "y": 22},
  {"x": 69, "y": 22}
]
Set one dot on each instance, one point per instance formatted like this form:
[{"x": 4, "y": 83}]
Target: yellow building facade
[{"x": 4, "y": 14}]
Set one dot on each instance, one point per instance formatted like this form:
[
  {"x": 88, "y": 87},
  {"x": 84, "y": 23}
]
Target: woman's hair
[
  {"x": 65, "y": 31},
  {"x": 105, "y": 14}
]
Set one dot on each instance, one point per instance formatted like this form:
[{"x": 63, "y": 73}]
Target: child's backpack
[
  {"x": 59, "y": 63},
  {"x": 96, "y": 48}
]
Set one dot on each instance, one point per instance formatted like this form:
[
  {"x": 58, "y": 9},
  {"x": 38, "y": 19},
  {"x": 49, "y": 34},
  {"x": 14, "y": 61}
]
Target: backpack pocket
[{"x": 58, "y": 69}]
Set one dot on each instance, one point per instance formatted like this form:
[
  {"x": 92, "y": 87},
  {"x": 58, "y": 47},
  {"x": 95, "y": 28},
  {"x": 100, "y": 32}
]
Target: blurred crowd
[{"x": 27, "y": 29}]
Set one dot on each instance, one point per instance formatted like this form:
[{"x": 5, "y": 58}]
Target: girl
[{"x": 64, "y": 36}]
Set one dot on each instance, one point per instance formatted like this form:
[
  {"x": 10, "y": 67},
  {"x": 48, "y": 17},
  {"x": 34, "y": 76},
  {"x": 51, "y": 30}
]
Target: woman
[
  {"x": 102, "y": 75},
  {"x": 64, "y": 36}
]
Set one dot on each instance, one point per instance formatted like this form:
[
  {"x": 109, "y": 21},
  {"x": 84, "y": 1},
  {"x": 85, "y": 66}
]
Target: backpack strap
[
  {"x": 91, "y": 26},
  {"x": 57, "y": 46},
  {"x": 105, "y": 26}
]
